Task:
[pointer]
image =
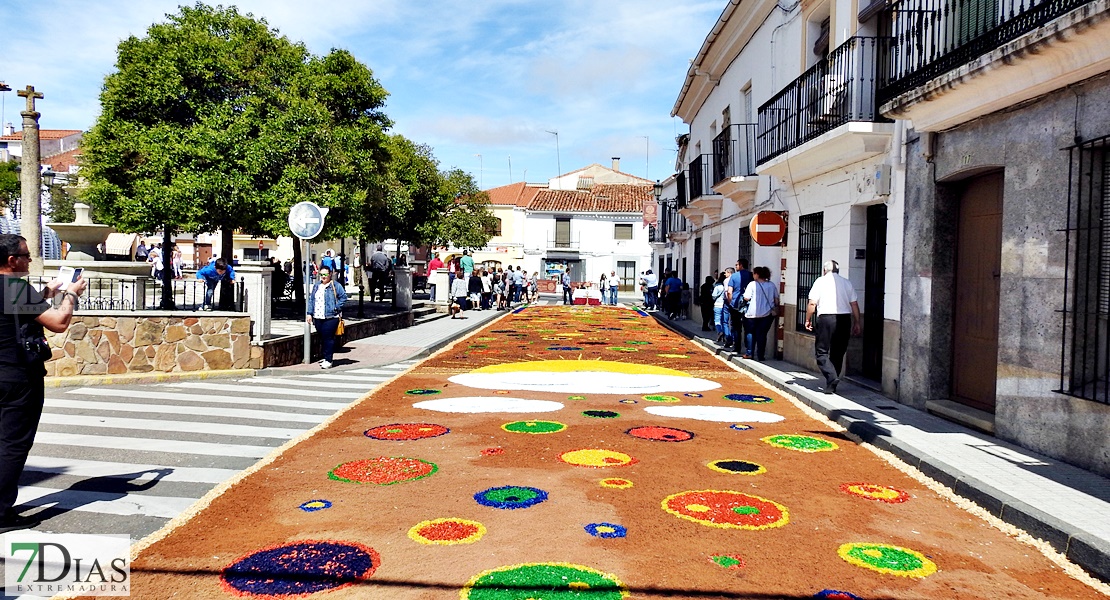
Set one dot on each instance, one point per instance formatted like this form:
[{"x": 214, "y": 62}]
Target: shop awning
[{"x": 120, "y": 244}]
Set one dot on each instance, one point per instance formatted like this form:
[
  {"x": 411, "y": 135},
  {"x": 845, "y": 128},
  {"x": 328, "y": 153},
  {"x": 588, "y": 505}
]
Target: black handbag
[{"x": 33, "y": 346}]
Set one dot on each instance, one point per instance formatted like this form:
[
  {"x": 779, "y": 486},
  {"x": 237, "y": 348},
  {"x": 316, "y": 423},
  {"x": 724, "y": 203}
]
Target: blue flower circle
[{"x": 606, "y": 530}]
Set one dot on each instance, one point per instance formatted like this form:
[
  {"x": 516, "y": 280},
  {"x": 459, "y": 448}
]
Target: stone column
[
  {"x": 402, "y": 288},
  {"x": 31, "y": 182},
  {"x": 257, "y": 284}
]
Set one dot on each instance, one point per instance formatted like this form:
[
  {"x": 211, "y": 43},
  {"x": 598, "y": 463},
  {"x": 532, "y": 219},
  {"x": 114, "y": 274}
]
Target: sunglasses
[{"x": 24, "y": 255}]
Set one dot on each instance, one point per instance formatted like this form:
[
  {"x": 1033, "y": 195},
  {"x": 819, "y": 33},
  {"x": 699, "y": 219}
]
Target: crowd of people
[{"x": 485, "y": 287}]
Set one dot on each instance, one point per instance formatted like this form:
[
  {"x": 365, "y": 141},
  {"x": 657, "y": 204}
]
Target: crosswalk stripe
[
  {"x": 368, "y": 371},
  {"x": 242, "y": 413},
  {"x": 229, "y": 429},
  {"x": 364, "y": 383},
  {"x": 251, "y": 389},
  {"x": 337, "y": 377},
  {"x": 150, "y": 444},
  {"x": 245, "y": 400},
  {"x": 166, "y": 507},
  {"x": 95, "y": 468}
]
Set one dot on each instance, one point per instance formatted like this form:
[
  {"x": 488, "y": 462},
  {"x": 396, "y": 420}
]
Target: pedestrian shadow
[{"x": 105, "y": 488}]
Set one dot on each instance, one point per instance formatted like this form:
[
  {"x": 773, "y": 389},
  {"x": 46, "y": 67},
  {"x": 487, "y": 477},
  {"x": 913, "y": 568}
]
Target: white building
[
  {"x": 589, "y": 221},
  {"x": 781, "y": 107}
]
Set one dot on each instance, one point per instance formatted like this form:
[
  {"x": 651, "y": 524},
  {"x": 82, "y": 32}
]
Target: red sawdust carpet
[{"x": 620, "y": 460}]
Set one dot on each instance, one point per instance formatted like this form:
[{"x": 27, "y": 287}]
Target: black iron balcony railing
[
  {"x": 833, "y": 92},
  {"x": 734, "y": 152},
  {"x": 701, "y": 176},
  {"x": 672, "y": 222},
  {"x": 933, "y": 37},
  {"x": 653, "y": 235},
  {"x": 680, "y": 184}
]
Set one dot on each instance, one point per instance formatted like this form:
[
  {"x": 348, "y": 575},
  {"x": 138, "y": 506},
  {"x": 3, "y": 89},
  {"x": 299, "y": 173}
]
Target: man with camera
[{"x": 24, "y": 313}]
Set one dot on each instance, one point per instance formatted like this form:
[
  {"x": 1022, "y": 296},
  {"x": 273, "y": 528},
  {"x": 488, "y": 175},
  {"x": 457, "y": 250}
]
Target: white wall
[{"x": 594, "y": 233}]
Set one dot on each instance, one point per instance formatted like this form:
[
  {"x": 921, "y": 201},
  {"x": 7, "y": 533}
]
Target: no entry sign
[{"x": 768, "y": 228}]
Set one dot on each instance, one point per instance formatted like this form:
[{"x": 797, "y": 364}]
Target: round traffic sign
[
  {"x": 306, "y": 220},
  {"x": 767, "y": 228}
]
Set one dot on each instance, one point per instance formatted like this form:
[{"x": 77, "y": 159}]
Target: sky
[{"x": 482, "y": 82}]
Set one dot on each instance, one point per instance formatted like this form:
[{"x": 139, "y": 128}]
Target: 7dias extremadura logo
[{"x": 45, "y": 564}]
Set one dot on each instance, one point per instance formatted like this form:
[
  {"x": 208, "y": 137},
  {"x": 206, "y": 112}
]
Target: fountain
[
  {"x": 83, "y": 235},
  {"x": 86, "y": 240}
]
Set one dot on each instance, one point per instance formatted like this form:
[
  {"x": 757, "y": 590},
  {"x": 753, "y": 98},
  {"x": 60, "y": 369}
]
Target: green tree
[
  {"x": 9, "y": 184},
  {"x": 467, "y": 221},
  {"x": 214, "y": 121}
]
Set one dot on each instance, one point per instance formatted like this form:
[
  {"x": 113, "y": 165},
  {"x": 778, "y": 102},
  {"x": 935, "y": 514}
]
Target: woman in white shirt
[{"x": 763, "y": 303}]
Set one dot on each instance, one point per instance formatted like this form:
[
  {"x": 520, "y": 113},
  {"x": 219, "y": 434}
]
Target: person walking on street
[
  {"x": 720, "y": 313},
  {"x": 651, "y": 280},
  {"x": 568, "y": 296},
  {"x": 325, "y": 311},
  {"x": 379, "y": 273},
  {"x": 433, "y": 265},
  {"x": 672, "y": 295},
  {"x": 762, "y": 296},
  {"x": 24, "y": 349},
  {"x": 328, "y": 261},
  {"x": 614, "y": 287},
  {"x": 467, "y": 264},
  {"x": 833, "y": 315},
  {"x": 705, "y": 301},
  {"x": 154, "y": 257},
  {"x": 141, "y": 252},
  {"x": 212, "y": 275},
  {"x": 734, "y": 302},
  {"x": 177, "y": 262}
]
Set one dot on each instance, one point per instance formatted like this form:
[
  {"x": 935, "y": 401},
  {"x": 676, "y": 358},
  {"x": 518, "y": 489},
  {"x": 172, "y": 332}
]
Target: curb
[
  {"x": 141, "y": 378},
  {"x": 1087, "y": 551},
  {"x": 426, "y": 351}
]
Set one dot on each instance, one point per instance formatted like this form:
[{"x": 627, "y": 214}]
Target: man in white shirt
[{"x": 833, "y": 300}]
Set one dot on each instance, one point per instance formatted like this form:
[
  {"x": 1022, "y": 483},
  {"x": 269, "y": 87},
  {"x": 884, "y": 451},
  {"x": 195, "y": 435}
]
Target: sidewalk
[
  {"x": 397, "y": 345},
  {"x": 1063, "y": 505}
]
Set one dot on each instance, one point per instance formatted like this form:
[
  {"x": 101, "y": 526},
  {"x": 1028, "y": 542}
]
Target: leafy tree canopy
[
  {"x": 215, "y": 121},
  {"x": 9, "y": 184}
]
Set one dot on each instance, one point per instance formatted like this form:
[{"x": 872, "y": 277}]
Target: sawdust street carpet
[{"x": 585, "y": 452}]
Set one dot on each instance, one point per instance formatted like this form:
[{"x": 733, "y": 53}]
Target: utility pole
[
  {"x": 647, "y": 157},
  {"x": 30, "y": 181},
  {"x": 481, "y": 172},
  {"x": 558, "y": 159}
]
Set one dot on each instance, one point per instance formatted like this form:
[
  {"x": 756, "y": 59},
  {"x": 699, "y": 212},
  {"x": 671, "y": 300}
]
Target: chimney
[
  {"x": 8, "y": 129},
  {"x": 616, "y": 163}
]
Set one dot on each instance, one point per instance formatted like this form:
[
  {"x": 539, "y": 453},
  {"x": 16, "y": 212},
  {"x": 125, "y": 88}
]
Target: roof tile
[{"x": 611, "y": 197}]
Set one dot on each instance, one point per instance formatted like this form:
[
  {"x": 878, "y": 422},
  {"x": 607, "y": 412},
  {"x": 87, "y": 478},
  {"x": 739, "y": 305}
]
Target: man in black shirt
[{"x": 24, "y": 312}]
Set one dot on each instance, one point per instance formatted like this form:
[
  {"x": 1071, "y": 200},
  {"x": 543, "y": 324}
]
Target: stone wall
[
  {"x": 1028, "y": 145},
  {"x": 108, "y": 342},
  {"x": 289, "y": 350}
]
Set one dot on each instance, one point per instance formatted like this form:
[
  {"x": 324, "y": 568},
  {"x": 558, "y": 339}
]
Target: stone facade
[
  {"x": 110, "y": 343},
  {"x": 1028, "y": 145}
]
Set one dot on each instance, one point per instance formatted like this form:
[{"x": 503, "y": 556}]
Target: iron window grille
[
  {"x": 1085, "y": 345},
  {"x": 744, "y": 248},
  {"x": 811, "y": 233}
]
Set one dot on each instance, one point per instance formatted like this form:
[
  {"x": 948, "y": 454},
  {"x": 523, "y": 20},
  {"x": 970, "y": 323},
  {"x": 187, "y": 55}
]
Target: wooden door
[{"x": 978, "y": 272}]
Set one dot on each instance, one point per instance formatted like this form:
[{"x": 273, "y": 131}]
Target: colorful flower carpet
[{"x": 584, "y": 452}]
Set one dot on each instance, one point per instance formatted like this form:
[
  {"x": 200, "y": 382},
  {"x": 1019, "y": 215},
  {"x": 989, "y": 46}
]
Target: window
[
  {"x": 1086, "y": 368},
  {"x": 562, "y": 232},
  {"x": 810, "y": 234},
  {"x": 622, "y": 231},
  {"x": 744, "y": 249},
  {"x": 496, "y": 228}
]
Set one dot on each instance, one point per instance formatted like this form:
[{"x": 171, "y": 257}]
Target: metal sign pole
[{"x": 307, "y": 291}]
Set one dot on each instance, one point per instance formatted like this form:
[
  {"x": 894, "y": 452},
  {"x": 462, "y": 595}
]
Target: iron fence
[
  {"x": 734, "y": 152},
  {"x": 835, "y": 91},
  {"x": 933, "y": 37},
  {"x": 145, "y": 293}
]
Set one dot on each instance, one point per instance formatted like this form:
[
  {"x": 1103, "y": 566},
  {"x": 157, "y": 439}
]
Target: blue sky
[{"x": 469, "y": 78}]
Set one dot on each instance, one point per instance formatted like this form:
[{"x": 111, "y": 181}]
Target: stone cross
[{"x": 30, "y": 94}]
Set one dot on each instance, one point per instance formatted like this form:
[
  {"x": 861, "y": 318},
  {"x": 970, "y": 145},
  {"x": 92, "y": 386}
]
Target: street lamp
[{"x": 658, "y": 190}]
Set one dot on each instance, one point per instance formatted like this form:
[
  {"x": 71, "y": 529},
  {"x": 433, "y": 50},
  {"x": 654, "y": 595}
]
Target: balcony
[
  {"x": 734, "y": 164},
  {"x": 833, "y": 104},
  {"x": 674, "y": 224},
  {"x": 994, "y": 53},
  {"x": 564, "y": 243},
  {"x": 704, "y": 200}
]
